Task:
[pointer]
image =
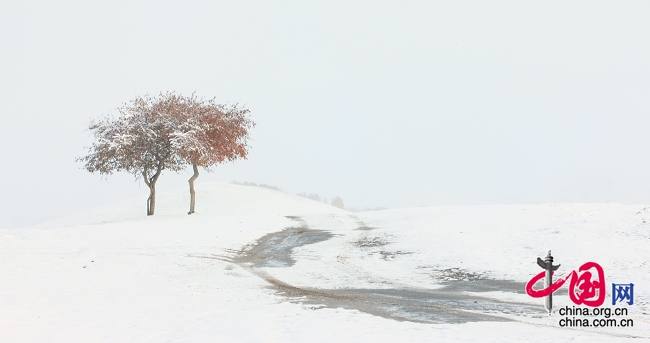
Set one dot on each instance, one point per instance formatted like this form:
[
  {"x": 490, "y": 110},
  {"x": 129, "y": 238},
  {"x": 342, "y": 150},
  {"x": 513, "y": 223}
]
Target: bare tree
[
  {"x": 139, "y": 141},
  {"x": 338, "y": 202},
  {"x": 209, "y": 134}
]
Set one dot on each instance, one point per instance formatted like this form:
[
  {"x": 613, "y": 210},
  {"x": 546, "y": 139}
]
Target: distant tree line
[
  {"x": 336, "y": 201},
  {"x": 263, "y": 185},
  {"x": 312, "y": 196}
]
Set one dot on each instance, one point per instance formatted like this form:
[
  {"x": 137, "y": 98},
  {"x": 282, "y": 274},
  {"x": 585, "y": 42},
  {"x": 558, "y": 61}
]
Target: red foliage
[
  {"x": 168, "y": 132},
  {"x": 209, "y": 133}
]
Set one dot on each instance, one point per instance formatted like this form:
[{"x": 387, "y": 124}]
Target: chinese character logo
[
  {"x": 586, "y": 286},
  {"x": 622, "y": 292},
  {"x": 584, "y": 290}
]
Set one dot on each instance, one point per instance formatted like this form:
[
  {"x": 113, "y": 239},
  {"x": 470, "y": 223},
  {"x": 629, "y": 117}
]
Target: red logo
[{"x": 582, "y": 289}]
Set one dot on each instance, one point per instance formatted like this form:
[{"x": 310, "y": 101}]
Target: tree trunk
[
  {"x": 192, "y": 193},
  {"x": 151, "y": 201},
  {"x": 151, "y": 183}
]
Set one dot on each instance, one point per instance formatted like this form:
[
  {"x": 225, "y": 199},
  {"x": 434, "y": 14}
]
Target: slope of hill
[
  {"x": 213, "y": 198},
  {"x": 257, "y": 265}
]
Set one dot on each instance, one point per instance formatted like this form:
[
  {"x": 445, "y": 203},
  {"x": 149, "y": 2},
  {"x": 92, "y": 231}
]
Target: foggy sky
[{"x": 393, "y": 104}]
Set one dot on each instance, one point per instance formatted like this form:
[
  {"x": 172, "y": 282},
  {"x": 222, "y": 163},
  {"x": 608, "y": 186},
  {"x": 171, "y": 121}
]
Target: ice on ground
[{"x": 115, "y": 275}]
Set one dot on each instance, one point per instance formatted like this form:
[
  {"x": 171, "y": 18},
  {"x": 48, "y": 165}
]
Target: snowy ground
[{"x": 114, "y": 275}]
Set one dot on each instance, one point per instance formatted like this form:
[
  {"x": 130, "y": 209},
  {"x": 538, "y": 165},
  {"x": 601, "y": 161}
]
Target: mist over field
[
  {"x": 397, "y": 171},
  {"x": 383, "y": 104}
]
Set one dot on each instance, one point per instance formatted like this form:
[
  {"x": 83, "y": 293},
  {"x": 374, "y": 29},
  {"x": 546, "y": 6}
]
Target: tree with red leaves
[
  {"x": 209, "y": 134},
  {"x": 167, "y": 132}
]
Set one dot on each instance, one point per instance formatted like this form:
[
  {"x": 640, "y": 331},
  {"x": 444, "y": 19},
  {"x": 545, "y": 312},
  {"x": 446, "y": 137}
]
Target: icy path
[
  {"x": 449, "y": 304},
  {"x": 338, "y": 261},
  {"x": 376, "y": 275}
]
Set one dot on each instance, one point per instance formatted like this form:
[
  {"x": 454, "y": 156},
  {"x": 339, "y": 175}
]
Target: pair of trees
[{"x": 168, "y": 132}]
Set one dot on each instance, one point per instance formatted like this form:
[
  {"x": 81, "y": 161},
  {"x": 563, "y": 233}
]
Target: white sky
[{"x": 392, "y": 104}]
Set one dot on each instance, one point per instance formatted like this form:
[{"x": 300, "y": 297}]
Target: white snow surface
[{"x": 115, "y": 275}]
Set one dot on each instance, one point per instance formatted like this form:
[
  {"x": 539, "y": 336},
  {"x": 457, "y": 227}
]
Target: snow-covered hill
[
  {"x": 213, "y": 198},
  {"x": 233, "y": 272}
]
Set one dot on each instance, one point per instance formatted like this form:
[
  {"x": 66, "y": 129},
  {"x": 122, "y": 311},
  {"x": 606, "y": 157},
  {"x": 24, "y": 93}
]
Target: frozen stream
[{"x": 449, "y": 304}]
